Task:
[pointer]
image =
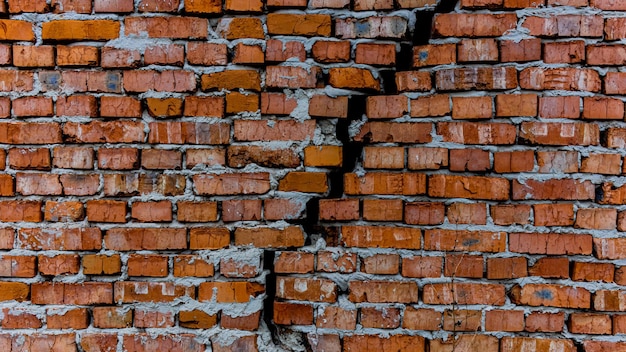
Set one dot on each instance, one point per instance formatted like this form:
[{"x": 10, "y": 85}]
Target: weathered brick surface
[{"x": 183, "y": 175}]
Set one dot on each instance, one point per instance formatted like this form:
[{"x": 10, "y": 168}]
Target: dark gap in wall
[
  {"x": 270, "y": 293},
  {"x": 424, "y": 21}
]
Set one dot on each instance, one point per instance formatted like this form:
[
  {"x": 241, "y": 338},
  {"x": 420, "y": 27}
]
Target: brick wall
[{"x": 323, "y": 175}]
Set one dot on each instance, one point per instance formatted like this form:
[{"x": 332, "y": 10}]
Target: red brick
[
  {"x": 427, "y": 158},
  {"x": 608, "y": 5},
  {"x": 143, "y": 342},
  {"x": 510, "y": 214},
  {"x": 603, "y": 108},
  {"x": 160, "y": 211},
  {"x": 463, "y": 266},
  {"x": 557, "y": 162},
  {"x": 241, "y": 210},
  {"x": 371, "y": 27},
  {"x": 163, "y": 81},
  {"x": 551, "y": 295},
  {"x": 603, "y": 346},
  {"x": 70, "y": 239},
  {"x": 18, "y": 266},
  {"x": 381, "y": 264},
  {"x": 380, "y": 318},
  {"x": 413, "y": 81},
  {"x": 339, "y": 209},
  {"x": 189, "y": 133},
  {"x": 20, "y": 210},
  {"x": 565, "y": 26},
  {"x": 478, "y": 78},
  {"x": 553, "y": 214},
  {"x": 564, "y": 52},
  {"x": 158, "y": 6},
  {"x": 126, "y": 239},
  {"x": 265, "y": 237},
  {"x": 462, "y": 240},
  {"x": 86, "y": 293},
  {"x": 553, "y": 189},
  {"x": 161, "y": 159},
  {"x": 72, "y": 319},
  {"x": 462, "y": 320},
  {"x": 248, "y": 322},
  {"x": 382, "y": 209},
  {"x": 383, "y": 158},
  {"x": 545, "y": 322},
  {"x": 353, "y": 78},
  {"x": 538, "y": 243},
  {"x": 559, "y": 107},
  {"x": 510, "y": 344},
  {"x": 382, "y": 292},
  {"x": 38, "y": 184},
  {"x": 165, "y": 54},
  {"x": 307, "y": 289},
  {"x": 596, "y": 218},
  {"x": 422, "y": 319},
  {"x": 279, "y": 51},
  {"x": 421, "y": 267},
  {"x": 323, "y": 156},
  {"x": 572, "y": 79},
  {"x": 255, "y": 130},
  {"x": 385, "y": 183},
  {"x": 469, "y": 187},
  {"x": 477, "y": 133},
  {"x": 153, "y": 319},
  {"x": 467, "y": 213},
  {"x": 29, "y": 159},
  {"x": 477, "y": 50},
  {"x": 607, "y": 164},
  {"x": 474, "y": 160},
  {"x": 331, "y": 51},
  {"x": 473, "y": 25},
  {"x": 100, "y": 30},
  {"x": 242, "y": 27},
  {"x": 614, "y": 28},
  {"x": 191, "y": 265},
  {"x": 424, "y": 213},
  {"x": 325, "y": 106},
  {"x": 513, "y": 105},
  {"x": 393, "y": 132},
  {"x": 464, "y": 293},
  {"x": 77, "y": 105},
  {"x": 67, "y": 211},
  {"x": 120, "y": 58},
  {"x": 311, "y": 25},
  {"x": 516, "y": 161},
  {"x": 434, "y": 55},
  {"x": 522, "y": 51},
  {"x": 32, "y": 107},
  {"x": 383, "y": 237},
  {"x": 130, "y": 292},
  {"x": 336, "y": 262},
  {"x": 294, "y": 262},
  {"x": 506, "y": 268},
  {"x": 173, "y": 28},
  {"x": 33, "y": 56},
  {"x": 586, "y": 323},
  {"x": 336, "y": 318},
  {"x": 108, "y": 132},
  {"x": 207, "y": 54},
  {"x": 375, "y": 54}
]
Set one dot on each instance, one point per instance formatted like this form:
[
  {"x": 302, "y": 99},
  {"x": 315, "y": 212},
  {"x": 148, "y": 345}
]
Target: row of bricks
[
  {"x": 378, "y": 54},
  {"x": 296, "y": 77},
  {"x": 436, "y": 213},
  {"x": 142, "y": 342},
  {"x": 129, "y": 239},
  {"x": 415, "y": 213},
  {"x": 196, "y": 53},
  {"x": 452, "y": 265},
  {"x": 318, "y": 25},
  {"x": 84, "y": 158},
  {"x": 376, "y": 107},
  {"x": 148, "y": 238},
  {"x": 492, "y": 50},
  {"x": 136, "y": 342},
  {"x": 206, "y": 7},
  {"x": 478, "y": 160},
  {"x": 316, "y": 290},
  {"x": 125, "y": 317},
  {"x": 415, "y": 158},
  {"x": 148, "y": 265},
  {"x": 459, "y": 320},
  {"x": 330, "y": 317},
  {"x": 373, "y": 183},
  {"x": 256, "y": 6},
  {"x": 494, "y": 133}
]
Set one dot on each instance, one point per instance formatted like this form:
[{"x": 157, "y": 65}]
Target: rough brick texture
[{"x": 312, "y": 175}]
